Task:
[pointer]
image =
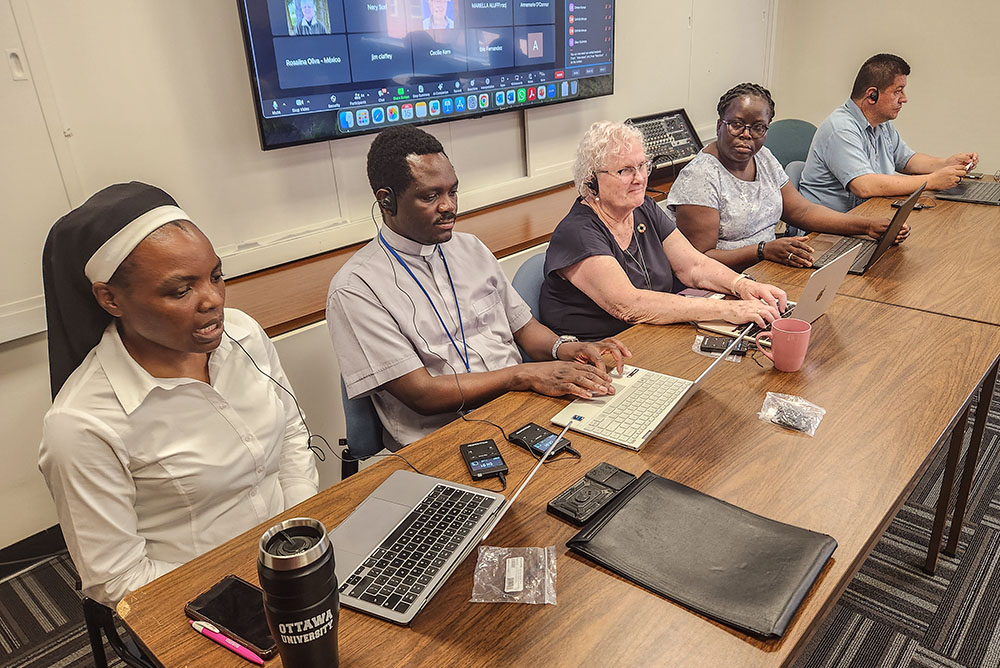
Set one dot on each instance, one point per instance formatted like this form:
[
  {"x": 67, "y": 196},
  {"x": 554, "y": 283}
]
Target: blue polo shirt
[{"x": 845, "y": 147}]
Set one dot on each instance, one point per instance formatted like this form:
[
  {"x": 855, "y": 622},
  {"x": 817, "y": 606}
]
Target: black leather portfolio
[{"x": 739, "y": 568}]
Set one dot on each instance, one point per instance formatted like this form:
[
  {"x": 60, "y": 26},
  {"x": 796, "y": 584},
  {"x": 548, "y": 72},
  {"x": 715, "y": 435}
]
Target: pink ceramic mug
[{"x": 789, "y": 341}]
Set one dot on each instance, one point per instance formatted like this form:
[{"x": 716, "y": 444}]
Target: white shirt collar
[
  {"x": 405, "y": 245},
  {"x": 132, "y": 384}
]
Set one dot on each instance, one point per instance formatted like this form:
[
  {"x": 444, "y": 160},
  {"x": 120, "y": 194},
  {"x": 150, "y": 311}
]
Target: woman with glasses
[
  {"x": 612, "y": 260},
  {"x": 728, "y": 200}
]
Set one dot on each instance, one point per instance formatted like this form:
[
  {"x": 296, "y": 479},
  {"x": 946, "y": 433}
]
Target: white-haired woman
[{"x": 612, "y": 260}]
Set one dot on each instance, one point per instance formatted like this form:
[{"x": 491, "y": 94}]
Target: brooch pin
[{"x": 641, "y": 228}]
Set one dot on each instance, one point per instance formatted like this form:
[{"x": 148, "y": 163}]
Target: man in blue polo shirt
[{"x": 857, "y": 153}]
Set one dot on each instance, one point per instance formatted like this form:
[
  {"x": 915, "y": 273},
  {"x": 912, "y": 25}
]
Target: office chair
[
  {"x": 528, "y": 283},
  {"x": 100, "y": 618},
  {"x": 794, "y": 171},
  {"x": 364, "y": 432},
  {"x": 789, "y": 139}
]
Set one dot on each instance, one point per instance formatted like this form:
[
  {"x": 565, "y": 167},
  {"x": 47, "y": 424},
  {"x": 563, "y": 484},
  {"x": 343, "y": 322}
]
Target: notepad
[{"x": 744, "y": 570}]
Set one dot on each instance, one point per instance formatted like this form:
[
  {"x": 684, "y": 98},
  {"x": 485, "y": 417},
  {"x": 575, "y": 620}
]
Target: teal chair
[
  {"x": 789, "y": 139},
  {"x": 528, "y": 283}
]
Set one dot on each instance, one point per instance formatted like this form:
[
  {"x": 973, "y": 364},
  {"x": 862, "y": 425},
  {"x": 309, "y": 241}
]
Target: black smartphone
[
  {"x": 718, "y": 344},
  {"x": 483, "y": 459},
  {"x": 236, "y": 608},
  {"x": 537, "y": 439}
]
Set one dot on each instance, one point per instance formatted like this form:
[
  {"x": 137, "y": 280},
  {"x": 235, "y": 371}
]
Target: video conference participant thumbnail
[
  {"x": 375, "y": 56},
  {"x": 534, "y": 12},
  {"x": 535, "y": 45},
  {"x": 306, "y": 17},
  {"x": 438, "y": 51},
  {"x": 313, "y": 61},
  {"x": 486, "y": 13},
  {"x": 490, "y": 48},
  {"x": 437, "y": 14}
]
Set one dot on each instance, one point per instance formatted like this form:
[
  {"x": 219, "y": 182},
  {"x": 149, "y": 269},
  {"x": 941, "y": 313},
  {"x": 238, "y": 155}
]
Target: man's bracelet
[{"x": 760, "y": 250}]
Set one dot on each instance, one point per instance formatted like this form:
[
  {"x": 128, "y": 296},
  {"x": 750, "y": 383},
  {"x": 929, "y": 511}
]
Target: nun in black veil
[{"x": 163, "y": 439}]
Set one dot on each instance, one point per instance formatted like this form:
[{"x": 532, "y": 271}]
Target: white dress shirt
[
  {"x": 384, "y": 327},
  {"x": 148, "y": 473}
]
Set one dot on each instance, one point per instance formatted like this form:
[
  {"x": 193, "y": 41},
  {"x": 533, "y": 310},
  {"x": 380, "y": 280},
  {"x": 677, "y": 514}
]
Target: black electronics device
[
  {"x": 718, "y": 344},
  {"x": 345, "y": 68},
  {"x": 483, "y": 459},
  {"x": 581, "y": 500},
  {"x": 919, "y": 205},
  {"x": 537, "y": 439},
  {"x": 669, "y": 137},
  {"x": 236, "y": 608}
]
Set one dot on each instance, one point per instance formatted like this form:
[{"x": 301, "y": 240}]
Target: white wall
[
  {"x": 158, "y": 91},
  {"x": 952, "y": 49}
]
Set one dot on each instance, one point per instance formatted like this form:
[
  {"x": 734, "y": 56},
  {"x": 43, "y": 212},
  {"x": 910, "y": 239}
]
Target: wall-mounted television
[{"x": 326, "y": 69}]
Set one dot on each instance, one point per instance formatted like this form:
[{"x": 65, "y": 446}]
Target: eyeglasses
[
  {"x": 628, "y": 173},
  {"x": 736, "y": 128}
]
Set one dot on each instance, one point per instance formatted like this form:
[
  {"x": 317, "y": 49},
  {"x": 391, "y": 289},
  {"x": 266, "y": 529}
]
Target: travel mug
[
  {"x": 789, "y": 342},
  {"x": 296, "y": 570}
]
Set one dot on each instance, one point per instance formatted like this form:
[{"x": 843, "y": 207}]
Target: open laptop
[
  {"x": 976, "y": 192},
  {"x": 871, "y": 250},
  {"x": 643, "y": 402},
  {"x": 399, "y": 546},
  {"x": 816, "y": 296}
]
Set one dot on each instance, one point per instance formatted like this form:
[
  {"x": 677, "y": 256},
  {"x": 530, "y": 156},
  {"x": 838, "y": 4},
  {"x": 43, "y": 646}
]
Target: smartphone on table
[{"x": 236, "y": 608}]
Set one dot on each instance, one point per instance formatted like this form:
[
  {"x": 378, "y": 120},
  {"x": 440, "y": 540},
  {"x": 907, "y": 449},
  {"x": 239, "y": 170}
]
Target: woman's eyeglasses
[
  {"x": 628, "y": 173},
  {"x": 736, "y": 128}
]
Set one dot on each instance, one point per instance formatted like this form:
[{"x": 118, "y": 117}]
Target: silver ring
[{"x": 789, "y": 255}]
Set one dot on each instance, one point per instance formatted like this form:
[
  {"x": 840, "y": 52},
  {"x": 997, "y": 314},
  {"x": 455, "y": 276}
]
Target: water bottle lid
[{"x": 294, "y": 543}]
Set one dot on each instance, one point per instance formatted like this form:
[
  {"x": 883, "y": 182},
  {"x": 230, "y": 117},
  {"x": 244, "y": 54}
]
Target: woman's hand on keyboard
[
  {"x": 793, "y": 251},
  {"x": 742, "y": 311}
]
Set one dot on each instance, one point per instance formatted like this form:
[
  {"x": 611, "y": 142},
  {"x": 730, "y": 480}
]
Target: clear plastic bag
[
  {"x": 791, "y": 412},
  {"x": 515, "y": 575}
]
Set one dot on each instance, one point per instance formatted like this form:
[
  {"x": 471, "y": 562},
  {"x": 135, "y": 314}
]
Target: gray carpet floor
[{"x": 892, "y": 615}]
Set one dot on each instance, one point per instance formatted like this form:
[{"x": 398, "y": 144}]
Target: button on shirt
[
  {"x": 383, "y": 326},
  {"x": 845, "y": 147},
  {"x": 147, "y": 473}
]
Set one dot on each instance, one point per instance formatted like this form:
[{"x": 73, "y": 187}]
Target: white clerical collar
[{"x": 405, "y": 245}]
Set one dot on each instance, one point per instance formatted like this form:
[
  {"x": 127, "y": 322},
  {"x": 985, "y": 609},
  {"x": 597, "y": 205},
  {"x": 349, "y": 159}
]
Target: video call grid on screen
[
  {"x": 349, "y": 53},
  {"x": 336, "y": 42}
]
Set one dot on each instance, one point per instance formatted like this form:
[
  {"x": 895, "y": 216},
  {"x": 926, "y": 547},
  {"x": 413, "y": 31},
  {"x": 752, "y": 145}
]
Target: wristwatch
[{"x": 561, "y": 340}]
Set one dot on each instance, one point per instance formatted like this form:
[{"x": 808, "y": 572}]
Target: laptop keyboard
[
  {"x": 407, "y": 561},
  {"x": 756, "y": 329},
  {"x": 636, "y": 410},
  {"x": 989, "y": 192},
  {"x": 844, "y": 245}
]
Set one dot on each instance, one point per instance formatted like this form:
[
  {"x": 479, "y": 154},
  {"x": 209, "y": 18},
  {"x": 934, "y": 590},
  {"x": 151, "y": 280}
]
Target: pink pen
[{"x": 212, "y": 633}]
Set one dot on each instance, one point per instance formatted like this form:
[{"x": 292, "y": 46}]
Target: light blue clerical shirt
[{"x": 845, "y": 147}]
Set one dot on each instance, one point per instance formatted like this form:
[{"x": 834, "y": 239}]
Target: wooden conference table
[
  {"x": 949, "y": 265},
  {"x": 847, "y": 481}
]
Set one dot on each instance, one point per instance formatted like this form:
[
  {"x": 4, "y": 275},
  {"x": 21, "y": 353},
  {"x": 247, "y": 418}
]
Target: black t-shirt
[{"x": 581, "y": 234}]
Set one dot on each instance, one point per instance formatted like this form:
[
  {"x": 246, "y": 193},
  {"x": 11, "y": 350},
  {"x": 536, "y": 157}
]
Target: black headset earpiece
[
  {"x": 594, "y": 185},
  {"x": 873, "y": 96},
  {"x": 388, "y": 200}
]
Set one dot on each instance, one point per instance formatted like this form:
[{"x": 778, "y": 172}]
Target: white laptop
[
  {"x": 816, "y": 296},
  {"x": 643, "y": 402}
]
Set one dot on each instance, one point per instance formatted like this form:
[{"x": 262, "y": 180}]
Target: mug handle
[{"x": 761, "y": 348}]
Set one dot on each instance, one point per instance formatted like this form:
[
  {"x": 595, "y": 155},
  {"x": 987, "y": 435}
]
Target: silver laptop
[
  {"x": 399, "y": 546},
  {"x": 816, "y": 296},
  {"x": 871, "y": 250},
  {"x": 643, "y": 402},
  {"x": 976, "y": 192}
]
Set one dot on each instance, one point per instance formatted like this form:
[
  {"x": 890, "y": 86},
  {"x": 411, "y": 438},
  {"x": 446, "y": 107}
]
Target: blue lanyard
[{"x": 464, "y": 358}]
